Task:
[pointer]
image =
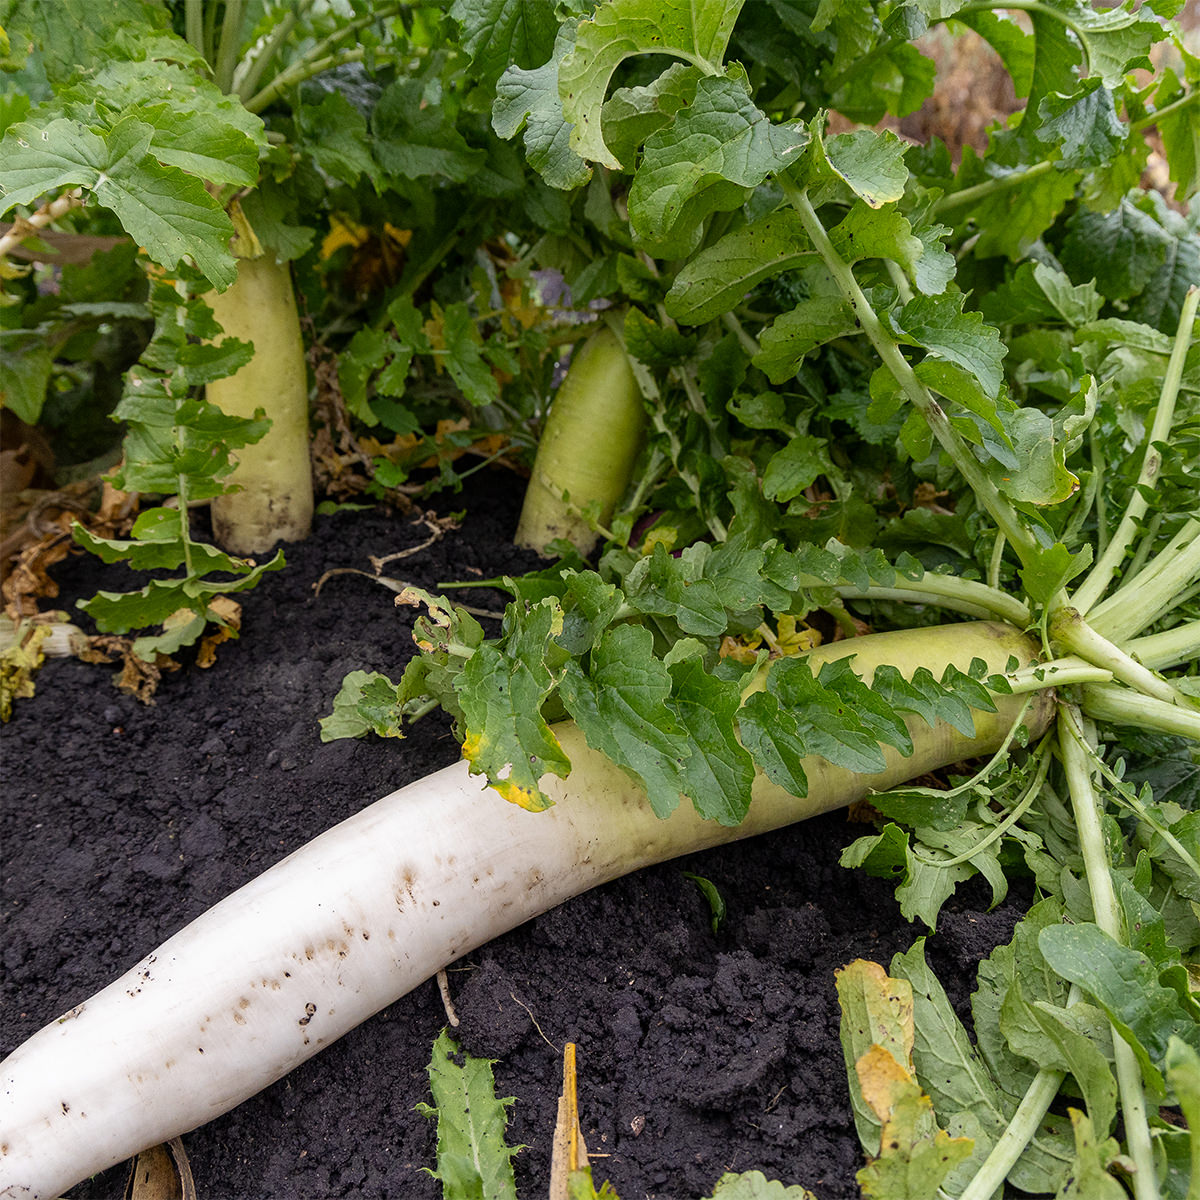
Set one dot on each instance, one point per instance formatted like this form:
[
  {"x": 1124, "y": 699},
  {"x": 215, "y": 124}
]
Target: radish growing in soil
[
  {"x": 336, "y": 931},
  {"x": 1053, "y": 492}
]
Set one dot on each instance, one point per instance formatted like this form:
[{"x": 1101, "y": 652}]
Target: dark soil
[{"x": 698, "y": 1054}]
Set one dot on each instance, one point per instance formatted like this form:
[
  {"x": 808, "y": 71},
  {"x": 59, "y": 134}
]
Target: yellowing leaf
[
  {"x": 915, "y": 1156},
  {"x": 343, "y": 232},
  {"x": 795, "y": 637},
  {"x": 18, "y": 665},
  {"x": 877, "y": 1013}
]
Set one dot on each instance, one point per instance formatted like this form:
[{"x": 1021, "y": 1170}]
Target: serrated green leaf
[
  {"x": 870, "y": 164},
  {"x": 719, "y": 772},
  {"x": 754, "y": 1185},
  {"x": 412, "y": 139},
  {"x": 617, "y": 30},
  {"x": 1011, "y": 220},
  {"x": 528, "y": 99},
  {"x": 367, "y": 702},
  {"x": 1121, "y": 251},
  {"x": 464, "y": 356},
  {"x": 1180, "y": 133},
  {"x": 632, "y": 114},
  {"x": 940, "y": 326},
  {"x": 473, "y": 1159},
  {"x": 165, "y": 210},
  {"x": 677, "y": 587},
  {"x": 334, "y": 133},
  {"x": 716, "y": 279},
  {"x": 25, "y": 366},
  {"x": 705, "y": 160},
  {"x": 501, "y": 691},
  {"x": 73, "y": 33},
  {"x": 1042, "y": 477},
  {"x": 1040, "y": 294},
  {"x": 1053, "y": 568},
  {"x": 658, "y": 346},
  {"x": 795, "y": 467},
  {"x": 496, "y": 33},
  {"x": 795, "y": 334},
  {"x": 621, "y": 707},
  {"x": 1083, "y": 125},
  {"x": 157, "y": 542}
]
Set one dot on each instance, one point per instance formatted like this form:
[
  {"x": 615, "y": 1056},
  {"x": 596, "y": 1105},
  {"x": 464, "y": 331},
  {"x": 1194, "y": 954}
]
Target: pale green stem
[
  {"x": 748, "y": 343},
  {"x": 963, "y": 595},
  {"x": 249, "y": 71},
  {"x": 1149, "y": 537},
  {"x": 1139, "y": 575},
  {"x": 227, "y": 50},
  {"x": 1021, "y": 1130},
  {"x": 1018, "y": 811},
  {"x": 899, "y": 279},
  {"x": 990, "y": 187},
  {"x": 986, "y": 493},
  {"x": 1157, "y": 591},
  {"x": 296, "y": 75},
  {"x": 1102, "y": 573},
  {"x": 317, "y": 58},
  {"x": 985, "y": 610},
  {"x": 1167, "y": 110},
  {"x": 1119, "y": 706},
  {"x": 193, "y": 17},
  {"x": 1076, "y": 758},
  {"x": 1169, "y": 648},
  {"x": 1069, "y": 628},
  {"x": 1098, "y": 464},
  {"x": 1059, "y": 672},
  {"x": 997, "y": 560}
]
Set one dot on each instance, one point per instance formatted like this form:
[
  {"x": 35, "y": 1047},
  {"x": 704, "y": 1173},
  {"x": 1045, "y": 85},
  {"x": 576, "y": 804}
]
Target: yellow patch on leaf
[
  {"x": 343, "y": 232},
  {"x": 794, "y": 637}
]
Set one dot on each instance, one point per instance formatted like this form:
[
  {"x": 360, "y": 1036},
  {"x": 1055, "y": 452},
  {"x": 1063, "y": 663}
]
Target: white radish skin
[{"x": 371, "y": 909}]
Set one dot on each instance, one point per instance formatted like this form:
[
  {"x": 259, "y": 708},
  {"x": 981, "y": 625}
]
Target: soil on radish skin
[{"x": 698, "y": 1053}]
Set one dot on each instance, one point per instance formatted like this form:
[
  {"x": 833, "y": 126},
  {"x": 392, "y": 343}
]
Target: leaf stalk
[
  {"x": 1076, "y": 757},
  {"x": 1102, "y": 573},
  {"x": 986, "y": 492}
]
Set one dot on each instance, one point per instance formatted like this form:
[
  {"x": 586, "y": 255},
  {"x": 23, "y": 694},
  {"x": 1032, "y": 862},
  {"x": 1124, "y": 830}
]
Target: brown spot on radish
[
  {"x": 244, "y": 1002},
  {"x": 309, "y": 953},
  {"x": 237, "y": 1016},
  {"x": 366, "y": 935},
  {"x": 66, "y": 1108},
  {"x": 309, "y": 1011},
  {"x": 199, "y": 1049}
]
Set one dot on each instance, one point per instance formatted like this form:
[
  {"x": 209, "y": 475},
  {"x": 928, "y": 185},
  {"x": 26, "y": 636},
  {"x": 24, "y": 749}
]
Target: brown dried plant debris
[{"x": 37, "y": 535}]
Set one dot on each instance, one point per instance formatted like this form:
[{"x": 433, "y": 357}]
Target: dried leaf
[
  {"x": 161, "y": 1173},
  {"x": 229, "y": 613},
  {"x": 568, "y": 1155}
]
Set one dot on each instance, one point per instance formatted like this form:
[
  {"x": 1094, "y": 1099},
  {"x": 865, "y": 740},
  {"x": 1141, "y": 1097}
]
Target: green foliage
[
  {"x": 473, "y": 1161},
  {"x": 176, "y": 446}
]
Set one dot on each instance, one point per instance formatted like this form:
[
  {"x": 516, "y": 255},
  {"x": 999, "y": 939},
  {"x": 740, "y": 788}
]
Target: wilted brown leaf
[{"x": 230, "y": 614}]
